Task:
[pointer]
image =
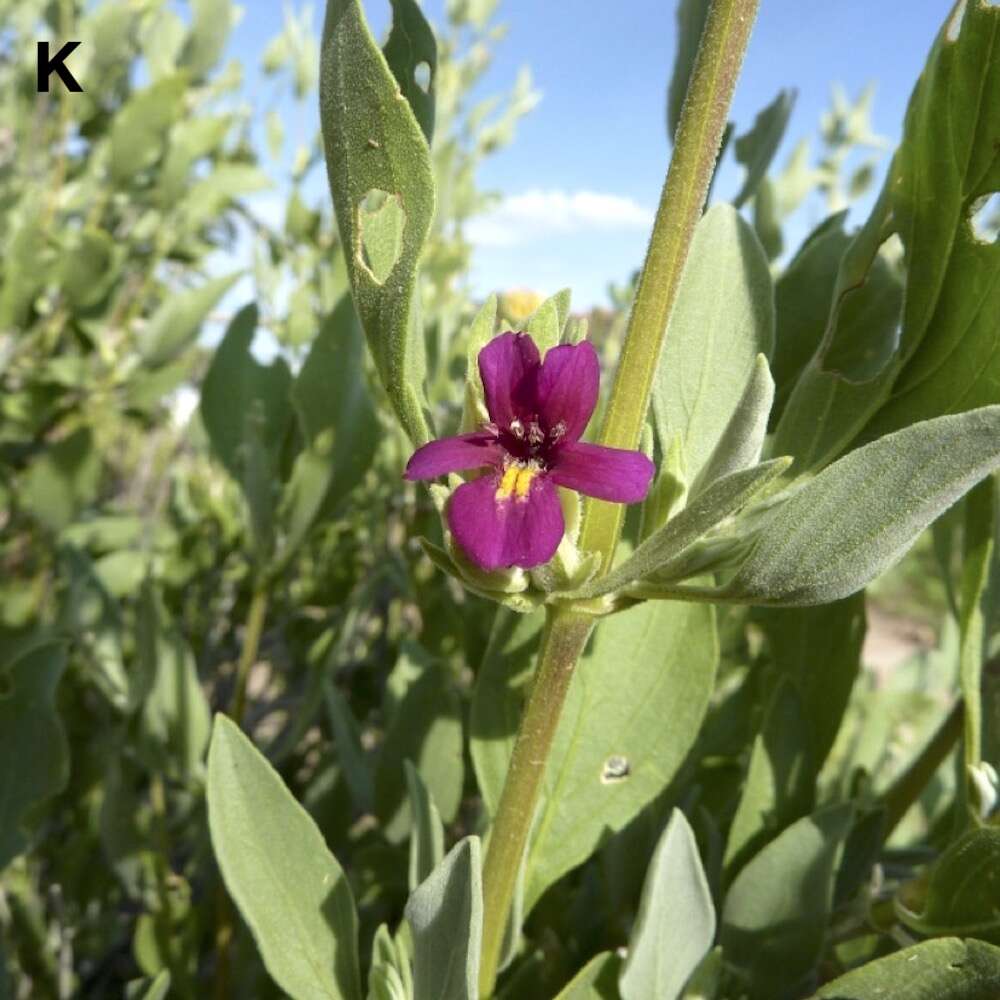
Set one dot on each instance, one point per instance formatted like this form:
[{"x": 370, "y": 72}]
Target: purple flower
[{"x": 511, "y": 515}]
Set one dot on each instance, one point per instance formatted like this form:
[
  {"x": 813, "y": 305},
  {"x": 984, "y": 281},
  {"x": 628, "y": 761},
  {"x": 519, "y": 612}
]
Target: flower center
[
  {"x": 529, "y": 442},
  {"x": 516, "y": 480}
]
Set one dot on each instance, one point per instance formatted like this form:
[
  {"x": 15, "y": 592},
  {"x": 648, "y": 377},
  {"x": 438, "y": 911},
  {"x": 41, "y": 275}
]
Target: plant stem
[
  {"x": 563, "y": 641},
  {"x": 248, "y": 654},
  {"x": 696, "y": 147},
  {"x": 908, "y": 786}
]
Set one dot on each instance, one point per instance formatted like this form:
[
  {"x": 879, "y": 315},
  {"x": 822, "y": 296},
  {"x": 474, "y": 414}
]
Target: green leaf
[
  {"x": 959, "y": 893},
  {"x": 841, "y": 529},
  {"x": 819, "y": 649},
  {"x": 287, "y": 885},
  {"x": 546, "y": 323},
  {"x": 597, "y": 980},
  {"x": 338, "y": 421},
  {"x": 34, "y": 757},
  {"x": 62, "y": 479},
  {"x": 178, "y": 320},
  {"x": 611, "y": 755},
  {"x": 722, "y": 320},
  {"x": 950, "y": 336},
  {"x": 691, "y": 17},
  {"x": 445, "y": 914},
  {"x": 779, "y": 782},
  {"x": 206, "y": 41},
  {"x": 139, "y": 129},
  {"x": 741, "y": 442},
  {"x": 849, "y": 375},
  {"x": 410, "y": 45},
  {"x": 374, "y": 144},
  {"x": 802, "y": 296},
  {"x": 755, "y": 149},
  {"x": 159, "y": 988},
  {"x": 389, "y": 977},
  {"x": 675, "y": 925},
  {"x": 350, "y": 753},
  {"x": 427, "y": 835},
  {"x": 176, "y": 721},
  {"x": 90, "y": 264},
  {"x": 662, "y": 553},
  {"x": 246, "y": 410},
  {"x": 776, "y": 912},
  {"x": 947, "y": 969},
  {"x": 426, "y": 729},
  {"x": 479, "y": 334}
]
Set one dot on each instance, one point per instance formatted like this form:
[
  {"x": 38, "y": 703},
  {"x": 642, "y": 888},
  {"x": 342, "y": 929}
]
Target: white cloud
[{"x": 535, "y": 213}]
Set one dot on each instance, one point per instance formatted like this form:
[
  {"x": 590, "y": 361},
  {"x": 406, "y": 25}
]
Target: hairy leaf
[
  {"x": 675, "y": 925},
  {"x": 860, "y": 515},
  {"x": 445, "y": 913},
  {"x": 755, "y": 149},
  {"x": 374, "y": 144},
  {"x": 288, "y": 886},
  {"x": 722, "y": 320}
]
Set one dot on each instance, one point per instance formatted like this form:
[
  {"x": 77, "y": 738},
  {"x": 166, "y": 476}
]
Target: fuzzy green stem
[
  {"x": 696, "y": 147},
  {"x": 248, "y": 654},
  {"x": 563, "y": 641}
]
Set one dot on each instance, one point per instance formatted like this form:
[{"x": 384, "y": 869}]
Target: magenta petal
[
  {"x": 498, "y": 533},
  {"x": 605, "y": 473},
  {"x": 507, "y": 366},
  {"x": 567, "y": 388},
  {"x": 451, "y": 454}
]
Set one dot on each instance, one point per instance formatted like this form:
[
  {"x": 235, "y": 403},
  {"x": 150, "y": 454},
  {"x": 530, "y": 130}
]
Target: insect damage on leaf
[{"x": 381, "y": 221}]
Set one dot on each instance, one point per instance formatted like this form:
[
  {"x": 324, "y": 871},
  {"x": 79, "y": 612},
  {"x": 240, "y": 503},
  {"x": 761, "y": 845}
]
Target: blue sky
[{"x": 584, "y": 172}]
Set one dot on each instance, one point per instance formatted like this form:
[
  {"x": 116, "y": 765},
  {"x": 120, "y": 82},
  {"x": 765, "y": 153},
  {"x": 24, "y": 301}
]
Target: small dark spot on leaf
[{"x": 616, "y": 768}]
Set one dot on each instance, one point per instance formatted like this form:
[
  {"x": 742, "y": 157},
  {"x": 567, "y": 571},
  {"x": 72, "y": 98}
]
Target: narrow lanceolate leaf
[
  {"x": 411, "y": 52},
  {"x": 662, "y": 551},
  {"x": 338, "y": 422},
  {"x": 775, "y": 916},
  {"x": 723, "y": 318},
  {"x": 597, "y": 980},
  {"x": 860, "y": 515},
  {"x": 379, "y": 168},
  {"x": 741, "y": 442},
  {"x": 959, "y": 894},
  {"x": 950, "y": 335},
  {"x": 755, "y": 149},
  {"x": 34, "y": 761},
  {"x": 946, "y": 969},
  {"x": 676, "y": 922},
  {"x": 691, "y": 17},
  {"x": 427, "y": 835},
  {"x": 779, "y": 782},
  {"x": 445, "y": 914},
  {"x": 849, "y": 375},
  {"x": 177, "y": 322},
  {"x": 288, "y": 886}
]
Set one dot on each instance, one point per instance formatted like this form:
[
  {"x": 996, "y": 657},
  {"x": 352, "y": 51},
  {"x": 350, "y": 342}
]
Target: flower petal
[
  {"x": 605, "y": 473},
  {"x": 567, "y": 388},
  {"x": 496, "y": 533},
  {"x": 452, "y": 454},
  {"x": 508, "y": 365}
]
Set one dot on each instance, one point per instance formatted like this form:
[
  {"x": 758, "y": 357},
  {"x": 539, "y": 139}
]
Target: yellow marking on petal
[
  {"x": 508, "y": 483},
  {"x": 523, "y": 484}
]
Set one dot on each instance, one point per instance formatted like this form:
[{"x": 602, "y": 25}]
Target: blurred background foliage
[{"x": 259, "y": 554}]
